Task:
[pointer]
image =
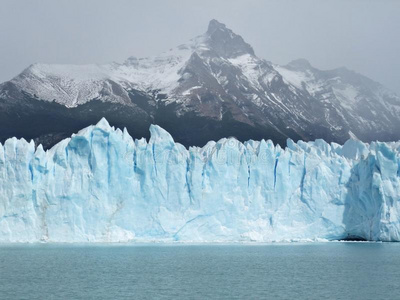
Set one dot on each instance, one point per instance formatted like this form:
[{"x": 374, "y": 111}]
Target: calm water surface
[{"x": 277, "y": 271}]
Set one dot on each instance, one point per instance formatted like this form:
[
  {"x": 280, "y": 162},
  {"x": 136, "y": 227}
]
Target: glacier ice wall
[{"x": 100, "y": 185}]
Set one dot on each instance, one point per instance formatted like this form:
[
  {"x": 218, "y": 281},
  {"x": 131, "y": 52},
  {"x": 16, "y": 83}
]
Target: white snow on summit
[
  {"x": 70, "y": 85},
  {"x": 218, "y": 74},
  {"x": 73, "y": 85}
]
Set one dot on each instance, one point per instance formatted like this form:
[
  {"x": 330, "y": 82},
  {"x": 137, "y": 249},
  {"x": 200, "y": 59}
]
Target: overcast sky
[{"x": 363, "y": 35}]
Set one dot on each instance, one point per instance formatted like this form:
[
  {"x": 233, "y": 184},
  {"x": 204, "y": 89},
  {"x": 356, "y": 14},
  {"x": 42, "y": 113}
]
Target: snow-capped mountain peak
[
  {"x": 215, "y": 81},
  {"x": 69, "y": 85},
  {"x": 73, "y": 85}
]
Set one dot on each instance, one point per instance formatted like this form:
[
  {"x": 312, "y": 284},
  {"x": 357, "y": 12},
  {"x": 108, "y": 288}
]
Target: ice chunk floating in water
[{"x": 100, "y": 185}]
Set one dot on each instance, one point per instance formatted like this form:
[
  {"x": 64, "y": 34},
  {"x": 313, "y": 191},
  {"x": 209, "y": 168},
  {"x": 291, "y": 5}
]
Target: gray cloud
[{"x": 359, "y": 34}]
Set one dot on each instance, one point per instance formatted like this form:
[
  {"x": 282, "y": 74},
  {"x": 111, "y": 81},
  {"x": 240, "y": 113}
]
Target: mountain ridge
[{"x": 214, "y": 85}]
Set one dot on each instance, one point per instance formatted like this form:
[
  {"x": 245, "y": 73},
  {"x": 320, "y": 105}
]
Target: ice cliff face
[{"x": 100, "y": 185}]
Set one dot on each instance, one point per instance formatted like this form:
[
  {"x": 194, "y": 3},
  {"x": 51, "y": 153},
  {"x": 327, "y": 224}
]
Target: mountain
[
  {"x": 100, "y": 185},
  {"x": 211, "y": 87}
]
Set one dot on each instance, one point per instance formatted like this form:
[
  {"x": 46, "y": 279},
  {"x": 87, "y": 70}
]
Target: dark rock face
[
  {"x": 225, "y": 42},
  {"x": 213, "y": 87}
]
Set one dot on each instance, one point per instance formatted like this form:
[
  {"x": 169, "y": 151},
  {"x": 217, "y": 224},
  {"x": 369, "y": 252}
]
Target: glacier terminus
[{"x": 101, "y": 185}]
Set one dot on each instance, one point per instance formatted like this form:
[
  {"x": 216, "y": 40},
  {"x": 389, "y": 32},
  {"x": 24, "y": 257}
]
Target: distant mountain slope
[{"x": 211, "y": 87}]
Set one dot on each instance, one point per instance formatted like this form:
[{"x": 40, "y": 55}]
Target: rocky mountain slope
[{"x": 211, "y": 87}]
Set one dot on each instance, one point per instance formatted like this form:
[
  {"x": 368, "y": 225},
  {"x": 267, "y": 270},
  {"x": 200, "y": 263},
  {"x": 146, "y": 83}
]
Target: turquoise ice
[{"x": 100, "y": 185}]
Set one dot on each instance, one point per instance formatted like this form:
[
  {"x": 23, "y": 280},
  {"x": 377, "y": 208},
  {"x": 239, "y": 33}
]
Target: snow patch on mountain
[
  {"x": 297, "y": 79},
  {"x": 250, "y": 67},
  {"x": 347, "y": 94}
]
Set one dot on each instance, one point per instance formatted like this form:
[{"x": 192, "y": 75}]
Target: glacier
[{"x": 101, "y": 185}]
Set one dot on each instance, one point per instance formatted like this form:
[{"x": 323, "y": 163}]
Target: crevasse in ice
[{"x": 100, "y": 185}]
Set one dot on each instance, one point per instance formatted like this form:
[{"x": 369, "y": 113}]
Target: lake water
[{"x": 276, "y": 271}]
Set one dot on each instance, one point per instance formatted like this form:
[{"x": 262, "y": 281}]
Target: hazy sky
[{"x": 362, "y": 35}]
